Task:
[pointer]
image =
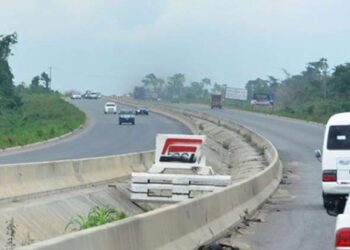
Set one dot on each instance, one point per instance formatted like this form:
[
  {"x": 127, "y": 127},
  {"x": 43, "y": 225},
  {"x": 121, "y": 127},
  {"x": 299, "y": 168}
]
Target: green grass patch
[
  {"x": 41, "y": 117},
  {"x": 97, "y": 216}
]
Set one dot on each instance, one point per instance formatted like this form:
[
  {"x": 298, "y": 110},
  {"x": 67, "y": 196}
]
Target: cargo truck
[{"x": 216, "y": 100}]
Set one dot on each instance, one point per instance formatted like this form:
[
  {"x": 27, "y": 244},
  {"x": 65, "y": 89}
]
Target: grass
[
  {"x": 41, "y": 117},
  {"x": 97, "y": 216}
]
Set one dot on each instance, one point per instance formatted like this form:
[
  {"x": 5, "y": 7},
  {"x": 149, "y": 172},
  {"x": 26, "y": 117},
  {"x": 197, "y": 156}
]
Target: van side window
[{"x": 339, "y": 137}]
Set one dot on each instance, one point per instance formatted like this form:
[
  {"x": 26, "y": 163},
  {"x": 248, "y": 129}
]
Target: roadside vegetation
[
  {"x": 31, "y": 112},
  {"x": 97, "y": 216},
  {"x": 40, "y": 117},
  {"x": 314, "y": 94}
]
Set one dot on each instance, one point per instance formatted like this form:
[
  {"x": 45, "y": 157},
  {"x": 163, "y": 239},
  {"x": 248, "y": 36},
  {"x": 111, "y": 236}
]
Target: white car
[
  {"x": 336, "y": 161},
  {"x": 342, "y": 230},
  {"x": 75, "y": 97},
  {"x": 110, "y": 107}
]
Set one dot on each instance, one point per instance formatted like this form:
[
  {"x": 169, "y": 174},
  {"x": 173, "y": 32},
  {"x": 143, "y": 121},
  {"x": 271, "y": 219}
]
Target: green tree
[
  {"x": 273, "y": 84},
  {"x": 340, "y": 82},
  {"x": 35, "y": 84},
  {"x": 154, "y": 85},
  {"x": 175, "y": 86},
  {"x": 8, "y": 97},
  {"x": 45, "y": 77},
  {"x": 206, "y": 83},
  {"x": 257, "y": 86}
]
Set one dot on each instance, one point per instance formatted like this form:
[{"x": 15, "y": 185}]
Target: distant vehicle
[
  {"x": 91, "y": 95},
  {"x": 142, "y": 110},
  {"x": 110, "y": 107},
  {"x": 75, "y": 97},
  {"x": 216, "y": 100},
  {"x": 126, "y": 116},
  {"x": 336, "y": 162},
  {"x": 262, "y": 99}
]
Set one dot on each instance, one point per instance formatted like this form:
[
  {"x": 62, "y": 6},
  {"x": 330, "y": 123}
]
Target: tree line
[
  {"x": 175, "y": 89},
  {"x": 315, "y": 93}
]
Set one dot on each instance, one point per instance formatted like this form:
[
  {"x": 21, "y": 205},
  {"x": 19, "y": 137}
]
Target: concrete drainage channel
[{"x": 255, "y": 168}]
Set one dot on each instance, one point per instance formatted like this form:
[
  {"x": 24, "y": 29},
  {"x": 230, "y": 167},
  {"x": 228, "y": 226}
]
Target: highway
[
  {"x": 294, "y": 218},
  {"x": 101, "y": 137}
]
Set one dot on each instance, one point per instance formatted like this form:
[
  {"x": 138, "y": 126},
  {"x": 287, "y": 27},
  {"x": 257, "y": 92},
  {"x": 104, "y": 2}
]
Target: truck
[{"x": 216, "y": 100}]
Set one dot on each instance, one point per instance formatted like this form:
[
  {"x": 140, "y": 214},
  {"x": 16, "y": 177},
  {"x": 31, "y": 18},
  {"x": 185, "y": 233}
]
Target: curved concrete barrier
[
  {"x": 185, "y": 225},
  {"x": 28, "y": 180}
]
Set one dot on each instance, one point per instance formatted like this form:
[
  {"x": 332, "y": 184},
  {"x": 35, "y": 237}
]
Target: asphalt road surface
[
  {"x": 101, "y": 137},
  {"x": 295, "y": 219}
]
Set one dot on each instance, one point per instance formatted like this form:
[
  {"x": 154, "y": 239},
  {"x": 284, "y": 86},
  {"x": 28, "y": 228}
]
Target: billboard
[{"x": 236, "y": 93}]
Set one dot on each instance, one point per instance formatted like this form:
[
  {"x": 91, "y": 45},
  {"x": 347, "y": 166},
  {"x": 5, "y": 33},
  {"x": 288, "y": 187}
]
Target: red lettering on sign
[{"x": 170, "y": 147}]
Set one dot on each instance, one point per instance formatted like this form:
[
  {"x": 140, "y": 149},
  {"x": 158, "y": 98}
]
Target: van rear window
[{"x": 339, "y": 137}]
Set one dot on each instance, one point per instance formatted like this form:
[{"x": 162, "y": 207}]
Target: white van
[{"x": 336, "y": 161}]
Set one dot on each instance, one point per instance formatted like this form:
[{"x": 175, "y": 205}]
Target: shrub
[{"x": 97, "y": 216}]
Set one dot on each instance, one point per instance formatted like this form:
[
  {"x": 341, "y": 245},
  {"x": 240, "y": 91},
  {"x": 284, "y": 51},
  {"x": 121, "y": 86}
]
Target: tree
[
  {"x": 35, "y": 82},
  {"x": 341, "y": 81},
  {"x": 175, "y": 86},
  {"x": 317, "y": 74},
  {"x": 257, "y": 86},
  {"x": 45, "y": 77},
  {"x": 206, "y": 83},
  {"x": 8, "y": 97},
  {"x": 154, "y": 85},
  {"x": 273, "y": 84},
  {"x": 195, "y": 90}
]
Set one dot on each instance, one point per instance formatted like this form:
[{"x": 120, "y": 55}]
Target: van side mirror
[{"x": 318, "y": 154}]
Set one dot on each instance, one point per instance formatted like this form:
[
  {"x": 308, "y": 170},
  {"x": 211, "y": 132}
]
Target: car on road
[
  {"x": 93, "y": 95},
  {"x": 336, "y": 162},
  {"x": 126, "y": 116},
  {"x": 142, "y": 110},
  {"x": 110, "y": 108},
  {"x": 342, "y": 229},
  {"x": 75, "y": 97}
]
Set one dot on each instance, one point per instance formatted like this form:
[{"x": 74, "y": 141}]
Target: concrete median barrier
[
  {"x": 186, "y": 225},
  {"x": 29, "y": 180}
]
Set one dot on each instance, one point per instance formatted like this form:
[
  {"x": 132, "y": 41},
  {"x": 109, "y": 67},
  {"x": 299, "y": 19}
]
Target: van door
[
  {"x": 343, "y": 167},
  {"x": 339, "y": 143}
]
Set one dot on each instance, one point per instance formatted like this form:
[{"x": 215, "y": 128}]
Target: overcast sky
[{"x": 109, "y": 45}]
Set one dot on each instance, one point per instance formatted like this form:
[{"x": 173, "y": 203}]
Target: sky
[{"x": 109, "y": 45}]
